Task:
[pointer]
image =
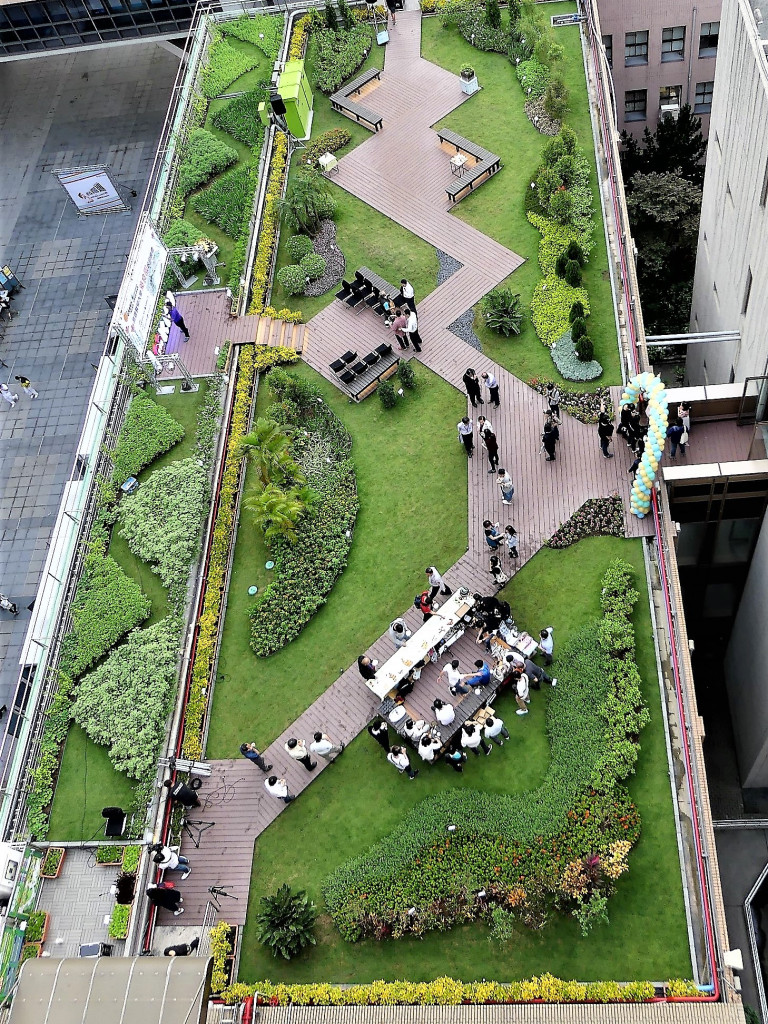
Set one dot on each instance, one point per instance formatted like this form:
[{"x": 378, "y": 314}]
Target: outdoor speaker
[{"x": 276, "y": 102}]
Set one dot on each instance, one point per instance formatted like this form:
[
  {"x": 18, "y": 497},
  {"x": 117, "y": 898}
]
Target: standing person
[
  {"x": 297, "y": 749},
  {"x": 520, "y": 682},
  {"x": 481, "y": 677},
  {"x": 494, "y": 727},
  {"x": 547, "y": 643},
  {"x": 625, "y": 426},
  {"x": 407, "y": 294},
  {"x": 380, "y": 732},
  {"x": 685, "y": 415},
  {"x": 634, "y": 427},
  {"x": 412, "y": 330},
  {"x": 495, "y": 569},
  {"x": 472, "y": 384},
  {"x": 437, "y": 583},
  {"x": 510, "y": 536},
  {"x": 553, "y": 400},
  {"x": 444, "y": 712},
  {"x": 168, "y": 860},
  {"x": 278, "y": 788},
  {"x": 7, "y": 394},
  {"x": 399, "y": 633},
  {"x": 675, "y": 433},
  {"x": 176, "y": 318},
  {"x": 493, "y": 387},
  {"x": 251, "y": 751},
  {"x": 26, "y": 385},
  {"x": 492, "y": 535},
  {"x": 537, "y": 675},
  {"x": 367, "y": 666},
  {"x": 398, "y": 325},
  {"x": 424, "y": 604},
  {"x": 605, "y": 433},
  {"x": 491, "y": 444},
  {"x": 182, "y": 794},
  {"x": 456, "y": 758},
  {"x": 453, "y": 677},
  {"x": 472, "y": 738},
  {"x": 182, "y": 948},
  {"x": 323, "y": 746},
  {"x": 506, "y": 486},
  {"x": 166, "y": 896},
  {"x": 428, "y": 748},
  {"x": 392, "y": 10},
  {"x": 464, "y": 427},
  {"x": 549, "y": 440},
  {"x": 483, "y": 424},
  {"x": 8, "y": 606},
  {"x": 398, "y": 757}
]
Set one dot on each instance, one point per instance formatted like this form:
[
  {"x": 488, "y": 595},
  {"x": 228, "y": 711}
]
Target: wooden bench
[
  {"x": 488, "y": 164},
  {"x": 341, "y": 102}
]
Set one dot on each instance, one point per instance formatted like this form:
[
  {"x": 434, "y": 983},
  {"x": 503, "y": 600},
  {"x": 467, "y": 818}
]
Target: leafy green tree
[
  {"x": 493, "y": 13},
  {"x": 676, "y": 145},
  {"x": 277, "y": 512},
  {"x": 286, "y": 922},
  {"x": 267, "y": 448},
  {"x": 307, "y": 201}
]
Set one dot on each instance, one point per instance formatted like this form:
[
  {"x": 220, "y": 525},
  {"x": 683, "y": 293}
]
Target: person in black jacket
[
  {"x": 165, "y": 896},
  {"x": 378, "y": 729},
  {"x": 367, "y": 667},
  {"x": 549, "y": 440},
  {"x": 182, "y": 948},
  {"x": 605, "y": 433},
  {"x": 472, "y": 384},
  {"x": 182, "y": 794}
]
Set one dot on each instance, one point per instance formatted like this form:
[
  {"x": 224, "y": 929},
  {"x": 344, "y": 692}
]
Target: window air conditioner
[{"x": 673, "y": 109}]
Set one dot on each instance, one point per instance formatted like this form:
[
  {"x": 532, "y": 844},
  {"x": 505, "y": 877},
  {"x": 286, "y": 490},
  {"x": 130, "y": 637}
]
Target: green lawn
[
  {"x": 87, "y": 781},
  {"x": 360, "y": 799},
  {"x": 495, "y": 118},
  {"x": 412, "y": 482},
  {"x": 366, "y": 237}
]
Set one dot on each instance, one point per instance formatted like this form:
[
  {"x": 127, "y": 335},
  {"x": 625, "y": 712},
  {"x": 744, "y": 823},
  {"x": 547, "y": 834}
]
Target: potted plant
[
  {"x": 467, "y": 72},
  {"x": 468, "y": 80},
  {"x": 109, "y": 856},
  {"x": 53, "y": 862},
  {"x": 37, "y": 926},
  {"x": 131, "y": 858},
  {"x": 118, "y": 923}
]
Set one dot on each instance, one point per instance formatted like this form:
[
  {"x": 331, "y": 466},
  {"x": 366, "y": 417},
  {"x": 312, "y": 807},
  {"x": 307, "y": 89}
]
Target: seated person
[
  {"x": 428, "y": 748},
  {"x": 444, "y": 712},
  {"x": 415, "y": 730},
  {"x": 479, "y": 678}
]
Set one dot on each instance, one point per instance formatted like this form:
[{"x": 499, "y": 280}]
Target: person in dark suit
[
  {"x": 367, "y": 667},
  {"x": 182, "y": 948},
  {"x": 378, "y": 729},
  {"x": 472, "y": 384},
  {"x": 165, "y": 896}
]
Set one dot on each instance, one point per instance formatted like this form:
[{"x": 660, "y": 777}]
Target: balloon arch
[{"x": 658, "y": 419}]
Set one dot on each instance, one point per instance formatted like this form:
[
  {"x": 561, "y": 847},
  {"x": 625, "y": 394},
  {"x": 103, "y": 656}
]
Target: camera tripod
[
  {"x": 218, "y": 891},
  {"x": 187, "y": 824}
]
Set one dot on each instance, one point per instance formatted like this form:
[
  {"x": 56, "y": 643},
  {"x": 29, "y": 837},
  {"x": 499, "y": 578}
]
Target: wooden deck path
[
  {"x": 396, "y": 171},
  {"x": 206, "y": 314}
]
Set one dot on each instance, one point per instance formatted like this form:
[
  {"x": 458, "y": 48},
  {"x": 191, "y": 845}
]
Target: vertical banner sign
[
  {"x": 91, "y": 190},
  {"x": 140, "y": 287}
]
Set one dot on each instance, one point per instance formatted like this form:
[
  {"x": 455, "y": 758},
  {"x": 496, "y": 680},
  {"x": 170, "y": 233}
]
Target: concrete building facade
[
  {"x": 731, "y": 283},
  {"x": 662, "y": 55}
]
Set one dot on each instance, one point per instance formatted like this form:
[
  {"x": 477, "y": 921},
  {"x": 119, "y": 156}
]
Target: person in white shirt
[
  {"x": 453, "y": 677},
  {"x": 407, "y": 292},
  {"x": 399, "y": 633},
  {"x": 472, "y": 738},
  {"x": 464, "y": 427},
  {"x": 297, "y": 749},
  {"x": 398, "y": 757},
  {"x": 168, "y": 860},
  {"x": 412, "y": 330},
  {"x": 547, "y": 644},
  {"x": 493, "y": 387},
  {"x": 494, "y": 728},
  {"x": 520, "y": 681},
  {"x": 428, "y": 748},
  {"x": 437, "y": 583},
  {"x": 324, "y": 746},
  {"x": 444, "y": 712},
  {"x": 415, "y": 730},
  {"x": 278, "y": 788}
]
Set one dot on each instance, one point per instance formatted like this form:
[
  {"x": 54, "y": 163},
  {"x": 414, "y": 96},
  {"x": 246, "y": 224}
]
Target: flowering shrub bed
[
  {"x": 568, "y": 363},
  {"x": 555, "y": 239},
  {"x": 582, "y": 405},
  {"x": 299, "y": 37},
  {"x": 270, "y": 218},
  {"x": 225, "y": 64},
  {"x": 596, "y": 516},
  {"x": 550, "y": 306},
  {"x": 339, "y": 55},
  {"x": 263, "y": 30},
  {"x": 306, "y": 571},
  {"x": 561, "y": 847},
  {"x": 252, "y": 360}
]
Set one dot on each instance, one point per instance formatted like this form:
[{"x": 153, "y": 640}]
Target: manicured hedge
[
  {"x": 306, "y": 571},
  {"x": 240, "y": 117},
  {"x": 226, "y": 199},
  {"x": 527, "y": 852},
  {"x": 327, "y": 142},
  {"x": 204, "y": 156},
  {"x": 338, "y": 55},
  {"x": 124, "y": 704},
  {"x": 147, "y": 431},
  {"x": 225, "y": 65},
  {"x": 263, "y": 30},
  {"x": 107, "y": 604}
]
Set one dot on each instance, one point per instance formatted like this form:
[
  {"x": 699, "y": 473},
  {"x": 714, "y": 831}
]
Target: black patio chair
[
  {"x": 372, "y": 358},
  {"x": 345, "y": 292},
  {"x": 384, "y": 349},
  {"x": 349, "y": 356},
  {"x": 347, "y": 377},
  {"x": 360, "y": 368},
  {"x": 338, "y": 365}
]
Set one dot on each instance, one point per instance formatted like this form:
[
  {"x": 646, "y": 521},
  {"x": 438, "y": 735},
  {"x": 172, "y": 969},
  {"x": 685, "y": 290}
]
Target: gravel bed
[
  {"x": 462, "y": 327},
  {"x": 324, "y": 245},
  {"x": 540, "y": 119},
  {"x": 447, "y": 266}
]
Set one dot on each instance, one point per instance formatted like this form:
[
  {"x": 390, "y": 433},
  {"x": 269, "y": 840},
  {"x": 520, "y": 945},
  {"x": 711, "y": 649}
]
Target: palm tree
[
  {"x": 307, "y": 201},
  {"x": 278, "y": 512},
  {"x": 286, "y": 921},
  {"x": 267, "y": 448}
]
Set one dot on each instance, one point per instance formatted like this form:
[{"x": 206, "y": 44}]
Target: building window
[
  {"x": 635, "y": 48},
  {"x": 703, "y": 102},
  {"x": 608, "y": 47},
  {"x": 669, "y": 96},
  {"x": 708, "y": 36},
  {"x": 672, "y": 43},
  {"x": 747, "y": 292},
  {"x": 635, "y": 103}
]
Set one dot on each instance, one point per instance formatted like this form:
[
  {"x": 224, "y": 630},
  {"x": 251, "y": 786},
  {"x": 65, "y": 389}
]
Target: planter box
[
  {"x": 57, "y": 871},
  {"x": 44, "y": 932},
  {"x": 30, "y": 951},
  {"x": 469, "y": 86}
]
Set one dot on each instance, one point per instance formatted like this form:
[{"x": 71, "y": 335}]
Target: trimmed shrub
[
  {"x": 556, "y": 99},
  {"x": 263, "y": 30},
  {"x": 147, "y": 431},
  {"x": 225, "y": 201},
  {"x": 240, "y": 117},
  {"x": 585, "y": 350},
  {"x": 493, "y": 13},
  {"x": 533, "y": 76},
  {"x": 312, "y": 265},
  {"x": 181, "y": 233},
  {"x": 387, "y": 394},
  {"x": 298, "y": 247},
  {"x": 578, "y": 326},
  {"x": 577, "y": 312},
  {"x": 560, "y": 264},
  {"x": 572, "y": 273},
  {"x": 407, "y": 375},
  {"x": 561, "y": 206},
  {"x": 555, "y": 239},
  {"x": 292, "y": 278},
  {"x": 574, "y": 252},
  {"x": 204, "y": 156},
  {"x": 327, "y": 142},
  {"x": 225, "y": 65}
]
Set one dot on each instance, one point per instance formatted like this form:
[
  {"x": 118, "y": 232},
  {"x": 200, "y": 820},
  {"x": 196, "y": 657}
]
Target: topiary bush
[
  {"x": 407, "y": 375},
  {"x": 298, "y": 247},
  {"x": 578, "y": 327},
  {"x": 204, "y": 156},
  {"x": 561, "y": 206},
  {"x": 292, "y": 278},
  {"x": 147, "y": 431},
  {"x": 572, "y": 273},
  {"x": 560, "y": 264},
  {"x": 312, "y": 265},
  {"x": 387, "y": 394},
  {"x": 556, "y": 99},
  {"x": 567, "y": 361},
  {"x": 577, "y": 312},
  {"x": 575, "y": 252},
  {"x": 585, "y": 350}
]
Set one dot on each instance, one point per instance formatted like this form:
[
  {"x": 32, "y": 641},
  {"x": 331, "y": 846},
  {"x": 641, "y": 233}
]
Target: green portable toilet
[{"x": 295, "y": 91}]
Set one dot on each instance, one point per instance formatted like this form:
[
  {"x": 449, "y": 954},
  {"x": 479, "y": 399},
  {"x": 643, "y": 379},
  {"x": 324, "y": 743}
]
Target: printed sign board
[
  {"x": 140, "y": 287},
  {"x": 559, "y": 20},
  {"x": 91, "y": 190}
]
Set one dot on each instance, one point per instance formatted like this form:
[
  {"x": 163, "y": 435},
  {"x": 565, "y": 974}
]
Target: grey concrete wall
[
  {"x": 617, "y": 17},
  {"x": 746, "y": 672},
  {"x": 732, "y": 234}
]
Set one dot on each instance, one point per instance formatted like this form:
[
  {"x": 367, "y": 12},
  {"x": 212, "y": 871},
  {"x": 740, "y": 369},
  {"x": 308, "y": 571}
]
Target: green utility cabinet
[{"x": 295, "y": 91}]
